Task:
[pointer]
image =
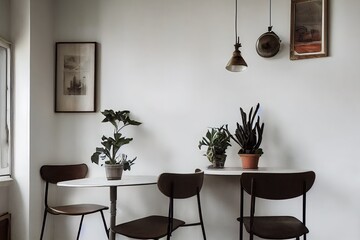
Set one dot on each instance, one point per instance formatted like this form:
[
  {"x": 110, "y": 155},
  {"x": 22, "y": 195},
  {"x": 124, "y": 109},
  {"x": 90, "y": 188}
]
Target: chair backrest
[
  {"x": 181, "y": 185},
  {"x": 277, "y": 186},
  {"x": 57, "y": 173}
]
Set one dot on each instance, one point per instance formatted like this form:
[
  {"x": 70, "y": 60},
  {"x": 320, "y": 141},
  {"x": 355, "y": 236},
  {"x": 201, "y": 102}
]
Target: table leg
[
  {"x": 113, "y": 197},
  {"x": 241, "y": 211}
]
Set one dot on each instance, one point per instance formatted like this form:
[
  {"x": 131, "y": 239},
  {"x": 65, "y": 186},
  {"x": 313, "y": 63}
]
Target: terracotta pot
[
  {"x": 250, "y": 161},
  {"x": 114, "y": 171}
]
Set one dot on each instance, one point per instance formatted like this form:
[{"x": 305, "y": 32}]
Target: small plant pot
[
  {"x": 250, "y": 161},
  {"x": 114, "y": 171},
  {"x": 219, "y": 161}
]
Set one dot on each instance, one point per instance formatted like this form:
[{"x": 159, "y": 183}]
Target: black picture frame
[{"x": 75, "y": 77}]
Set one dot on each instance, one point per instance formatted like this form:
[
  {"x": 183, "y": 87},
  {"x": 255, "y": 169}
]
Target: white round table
[{"x": 112, "y": 184}]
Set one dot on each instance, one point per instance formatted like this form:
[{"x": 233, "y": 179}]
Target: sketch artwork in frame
[
  {"x": 308, "y": 38},
  {"x": 75, "y": 81}
]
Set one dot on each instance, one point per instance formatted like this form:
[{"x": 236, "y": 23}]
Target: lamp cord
[
  {"x": 270, "y": 26},
  {"x": 236, "y": 34}
]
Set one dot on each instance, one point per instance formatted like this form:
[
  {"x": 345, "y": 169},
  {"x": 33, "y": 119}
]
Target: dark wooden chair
[
  {"x": 174, "y": 186},
  {"x": 56, "y": 173},
  {"x": 5, "y": 226},
  {"x": 275, "y": 186}
]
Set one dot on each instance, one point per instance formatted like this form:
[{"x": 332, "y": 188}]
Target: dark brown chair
[
  {"x": 275, "y": 186},
  {"x": 5, "y": 226},
  {"x": 56, "y": 173},
  {"x": 174, "y": 186}
]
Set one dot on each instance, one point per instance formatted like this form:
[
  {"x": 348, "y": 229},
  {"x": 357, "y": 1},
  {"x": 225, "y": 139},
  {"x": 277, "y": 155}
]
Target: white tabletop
[
  {"x": 103, "y": 182},
  {"x": 237, "y": 171}
]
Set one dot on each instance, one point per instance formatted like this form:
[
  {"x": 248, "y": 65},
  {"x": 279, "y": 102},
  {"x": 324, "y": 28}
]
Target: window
[{"x": 4, "y": 108}]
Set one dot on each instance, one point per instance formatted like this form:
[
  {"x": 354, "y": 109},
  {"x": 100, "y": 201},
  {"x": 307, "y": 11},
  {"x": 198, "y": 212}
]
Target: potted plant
[
  {"x": 217, "y": 140},
  {"x": 249, "y": 136},
  {"x": 108, "y": 154}
]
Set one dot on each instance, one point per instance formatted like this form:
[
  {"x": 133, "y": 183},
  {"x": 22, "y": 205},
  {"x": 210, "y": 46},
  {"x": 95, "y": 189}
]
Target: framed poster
[
  {"x": 75, "y": 80},
  {"x": 308, "y": 37}
]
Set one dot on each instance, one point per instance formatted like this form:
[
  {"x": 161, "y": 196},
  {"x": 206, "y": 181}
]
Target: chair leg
[
  {"x": 81, "y": 221},
  {"x": 168, "y": 236},
  {"x": 200, "y": 216},
  {"x": 241, "y": 231},
  {"x": 203, "y": 230},
  {"x": 251, "y": 236},
  {"x": 43, "y": 225},
  {"x": 106, "y": 229}
]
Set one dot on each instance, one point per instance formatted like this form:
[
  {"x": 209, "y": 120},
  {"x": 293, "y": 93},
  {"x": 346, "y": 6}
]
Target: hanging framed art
[
  {"x": 309, "y": 28},
  {"x": 75, "y": 80}
]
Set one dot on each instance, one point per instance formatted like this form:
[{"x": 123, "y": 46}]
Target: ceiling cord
[
  {"x": 236, "y": 33},
  {"x": 270, "y": 26}
]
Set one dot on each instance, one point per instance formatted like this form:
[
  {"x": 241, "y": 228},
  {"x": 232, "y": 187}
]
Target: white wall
[
  {"x": 164, "y": 60},
  {"x": 19, "y": 192},
  {"x": 5, "y": 19},
  {"x": 41, "y": 113}
]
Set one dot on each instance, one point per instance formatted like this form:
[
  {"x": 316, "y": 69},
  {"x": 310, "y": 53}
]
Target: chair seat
[
  {"x": 152, "y": 227},
  {"x": 76, "y": 209},
  {"x": 276, "y": 227}
]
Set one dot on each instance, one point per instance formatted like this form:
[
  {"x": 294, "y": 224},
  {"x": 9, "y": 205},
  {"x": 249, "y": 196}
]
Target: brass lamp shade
[{"x": 236, "y": 63}]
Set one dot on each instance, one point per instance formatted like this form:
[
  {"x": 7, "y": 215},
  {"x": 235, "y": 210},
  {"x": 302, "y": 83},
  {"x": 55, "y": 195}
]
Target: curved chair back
[
  {"x": 52, "y": 174},
  {"x": 180, "y": 185},
  {"x": 57, "y": 173},
  {"x": 174, "y": 186},
  {"x": 277, "y": 186}
]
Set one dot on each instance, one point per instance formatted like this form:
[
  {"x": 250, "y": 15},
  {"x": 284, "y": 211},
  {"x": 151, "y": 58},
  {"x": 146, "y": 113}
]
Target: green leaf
[
  {"x": 136, "y": 123},
  {"x": 249, "y": 134},
  {"x": 111, "y": 145},
  {"x": 128, "y": 163},
  {"x": 217, "y": 140},
  {"x": 95, "y": 157}
]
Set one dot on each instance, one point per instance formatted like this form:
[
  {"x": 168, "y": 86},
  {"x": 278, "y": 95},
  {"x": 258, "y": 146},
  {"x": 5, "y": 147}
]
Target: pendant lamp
[{"x": 237, "y": 62}]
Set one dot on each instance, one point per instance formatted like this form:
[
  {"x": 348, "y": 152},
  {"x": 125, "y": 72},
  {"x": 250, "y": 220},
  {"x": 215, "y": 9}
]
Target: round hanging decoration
[{"x": 268, "y": 44}]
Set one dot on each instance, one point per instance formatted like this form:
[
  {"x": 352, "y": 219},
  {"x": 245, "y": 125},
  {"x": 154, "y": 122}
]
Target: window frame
[{"x": 5, "y": 133}]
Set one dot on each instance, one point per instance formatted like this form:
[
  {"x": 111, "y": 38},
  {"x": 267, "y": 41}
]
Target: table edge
[
  {"x": 103, "y": 182},
  {"x": 237, "y": 171}
]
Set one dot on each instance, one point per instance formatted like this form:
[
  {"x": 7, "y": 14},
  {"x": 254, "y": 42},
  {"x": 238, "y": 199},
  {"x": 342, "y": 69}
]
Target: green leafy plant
[
  {"x": 217, "y": 140},
  {"x": 249, "y": 134},
  {"x": 108, "y": 153}
]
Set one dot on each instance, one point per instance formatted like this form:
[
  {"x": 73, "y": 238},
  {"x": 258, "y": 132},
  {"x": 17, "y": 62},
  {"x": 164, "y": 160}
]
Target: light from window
[{"x": 4, "y": 108}]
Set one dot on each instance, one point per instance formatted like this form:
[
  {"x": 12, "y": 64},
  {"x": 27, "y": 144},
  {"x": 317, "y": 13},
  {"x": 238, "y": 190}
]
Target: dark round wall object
[{"x": 268, "y": 44}]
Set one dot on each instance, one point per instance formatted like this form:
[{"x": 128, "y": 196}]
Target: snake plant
[{"x": 249, "y": 134}]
